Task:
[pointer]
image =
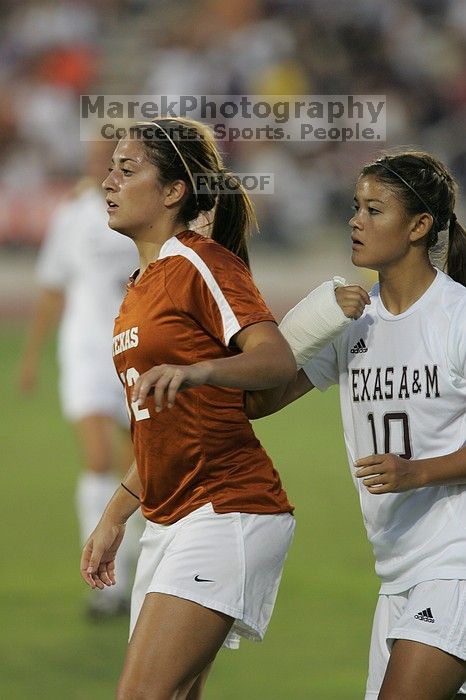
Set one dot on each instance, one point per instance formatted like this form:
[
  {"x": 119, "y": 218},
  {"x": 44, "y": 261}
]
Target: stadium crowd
[{"x": 412, "y": 51}]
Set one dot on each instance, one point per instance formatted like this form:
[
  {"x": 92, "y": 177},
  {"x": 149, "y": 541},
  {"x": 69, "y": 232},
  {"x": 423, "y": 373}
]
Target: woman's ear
[
  {"x": 422, "y": 223},
  {"x": 174, "y": 192}
]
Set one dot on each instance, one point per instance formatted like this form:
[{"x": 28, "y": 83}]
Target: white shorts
[
  {"x": 433, "y": 612},
  {"x": 89, "y": 388},
  {"x": 230, "y": 562}
]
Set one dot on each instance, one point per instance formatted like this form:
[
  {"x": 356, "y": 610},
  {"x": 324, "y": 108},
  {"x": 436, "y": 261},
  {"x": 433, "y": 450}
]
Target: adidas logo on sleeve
[
  {"x": 425, "y": 616},
  {"x": 359, "y": 347}
]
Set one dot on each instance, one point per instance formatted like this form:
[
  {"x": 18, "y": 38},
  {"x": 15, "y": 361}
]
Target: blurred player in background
[
  {"x": 82, "y": 270},
  {"x": 219, "y": 523},
  {"x": 401, "y": 367}
]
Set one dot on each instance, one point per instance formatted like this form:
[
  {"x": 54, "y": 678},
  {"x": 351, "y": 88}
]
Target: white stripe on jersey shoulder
[{"x": 230, "y": 323}]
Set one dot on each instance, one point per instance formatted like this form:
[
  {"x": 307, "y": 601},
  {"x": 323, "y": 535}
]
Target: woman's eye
[
  {"x": 355, "y": 207},
  {"x": 126, "y": 172},
  {"x": 373, "y": 211}
]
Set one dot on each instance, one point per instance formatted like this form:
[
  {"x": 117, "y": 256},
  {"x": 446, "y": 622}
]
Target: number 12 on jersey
[
  {"x": 395, "y": 425},
  {"x": 131, "y": 377}
]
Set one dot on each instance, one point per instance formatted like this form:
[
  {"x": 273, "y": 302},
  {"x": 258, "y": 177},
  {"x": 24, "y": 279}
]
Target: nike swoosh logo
[{"x": 196, "y": 578}]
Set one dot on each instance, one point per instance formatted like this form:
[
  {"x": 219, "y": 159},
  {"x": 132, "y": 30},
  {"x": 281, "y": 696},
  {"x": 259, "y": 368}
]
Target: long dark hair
[
  {"x": 184, "y": 149},
  {"x": 424, "y": 184}
]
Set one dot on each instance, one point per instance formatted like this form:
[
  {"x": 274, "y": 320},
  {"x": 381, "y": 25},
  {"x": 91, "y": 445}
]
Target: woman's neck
[
  {"x": 401, "y": 287},
  {"x": 149, "y": 248}
]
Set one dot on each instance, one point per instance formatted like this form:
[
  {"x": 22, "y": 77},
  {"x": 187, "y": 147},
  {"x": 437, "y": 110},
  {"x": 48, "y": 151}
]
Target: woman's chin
[
  {"x": 357, "y": 259},
  {"x": 118, "y": 227}
]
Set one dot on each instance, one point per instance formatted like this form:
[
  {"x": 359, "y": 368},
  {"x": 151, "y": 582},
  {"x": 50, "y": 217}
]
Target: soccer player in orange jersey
[{"x": 194, "y": 326}]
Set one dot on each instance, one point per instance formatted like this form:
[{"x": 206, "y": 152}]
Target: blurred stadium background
[{"x": 413, "y": 51}]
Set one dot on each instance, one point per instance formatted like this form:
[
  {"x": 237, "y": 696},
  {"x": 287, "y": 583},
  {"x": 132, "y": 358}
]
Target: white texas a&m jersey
[{"x": 403, "y": 390}]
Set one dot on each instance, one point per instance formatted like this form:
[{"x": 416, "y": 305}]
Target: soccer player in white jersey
[
  {"x": 82, "y": 272},
  {"x": 401, "y": 367}
]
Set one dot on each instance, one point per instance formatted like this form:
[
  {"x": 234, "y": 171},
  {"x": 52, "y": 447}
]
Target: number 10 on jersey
[{"x": 395, "y": 434}]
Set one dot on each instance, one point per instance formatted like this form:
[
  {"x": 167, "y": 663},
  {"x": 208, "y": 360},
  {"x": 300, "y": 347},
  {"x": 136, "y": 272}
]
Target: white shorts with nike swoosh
[
  {"x": 433, "y": 613},
  {"x": 230, "y": 562}
]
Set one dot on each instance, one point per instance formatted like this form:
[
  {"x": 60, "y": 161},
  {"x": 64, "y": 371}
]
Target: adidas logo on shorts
[
  {"x": 359, "y": 347},
  {"x": 425, "y": 616}
]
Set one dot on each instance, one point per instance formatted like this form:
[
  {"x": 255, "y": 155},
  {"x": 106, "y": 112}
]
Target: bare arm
[
  {"x": 388, "y": 473},
  {"x": 45, "y": 317},
  {"x": 265, "y": 361},
  {"x": 98, "y": 556},
  {"x": 263, "y": 403}
]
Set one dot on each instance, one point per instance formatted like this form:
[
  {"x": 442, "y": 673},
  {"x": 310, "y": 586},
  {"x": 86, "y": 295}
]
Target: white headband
[{"x": 142, "y": 124}]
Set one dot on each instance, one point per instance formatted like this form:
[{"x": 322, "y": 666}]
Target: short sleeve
[
  {"x": 323, "y": 369},
  {"x": 457, "y": 340},
  {"x": 218, "y": 292},
  {"x": 51, "y": 269}
]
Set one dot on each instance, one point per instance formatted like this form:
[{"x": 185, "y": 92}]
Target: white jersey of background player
[
  {"x": 91, "y": 265},
  {"x": 401, "y": 367},
  {"x": 82, "y": 270}
]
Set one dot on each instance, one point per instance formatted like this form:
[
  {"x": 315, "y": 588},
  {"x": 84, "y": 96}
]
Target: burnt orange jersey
[{"x": 186, "y": 308}]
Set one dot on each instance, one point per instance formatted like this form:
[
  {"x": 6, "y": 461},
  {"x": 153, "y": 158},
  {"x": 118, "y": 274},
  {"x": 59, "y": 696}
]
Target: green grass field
[{"x": 316, "y": 646}]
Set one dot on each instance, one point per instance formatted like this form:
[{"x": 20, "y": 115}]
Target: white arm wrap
[{"x": 314, "y": 322}]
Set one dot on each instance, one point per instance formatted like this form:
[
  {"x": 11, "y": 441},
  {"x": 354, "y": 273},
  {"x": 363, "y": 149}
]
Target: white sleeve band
[{"x": 314, "y": 322}]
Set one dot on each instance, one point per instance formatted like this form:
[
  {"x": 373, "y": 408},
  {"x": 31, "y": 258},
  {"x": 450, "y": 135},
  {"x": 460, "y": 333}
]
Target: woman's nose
[{"x": 108, "y": 183}]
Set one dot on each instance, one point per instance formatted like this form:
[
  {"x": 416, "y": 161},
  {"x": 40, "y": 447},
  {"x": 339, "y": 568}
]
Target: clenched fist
[{"x": 352, "y": 300}]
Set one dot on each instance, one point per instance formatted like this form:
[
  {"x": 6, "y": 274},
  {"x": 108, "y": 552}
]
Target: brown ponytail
[
  {"x": 234, "y": 217},
  {"x": 456, "y": 256}
]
